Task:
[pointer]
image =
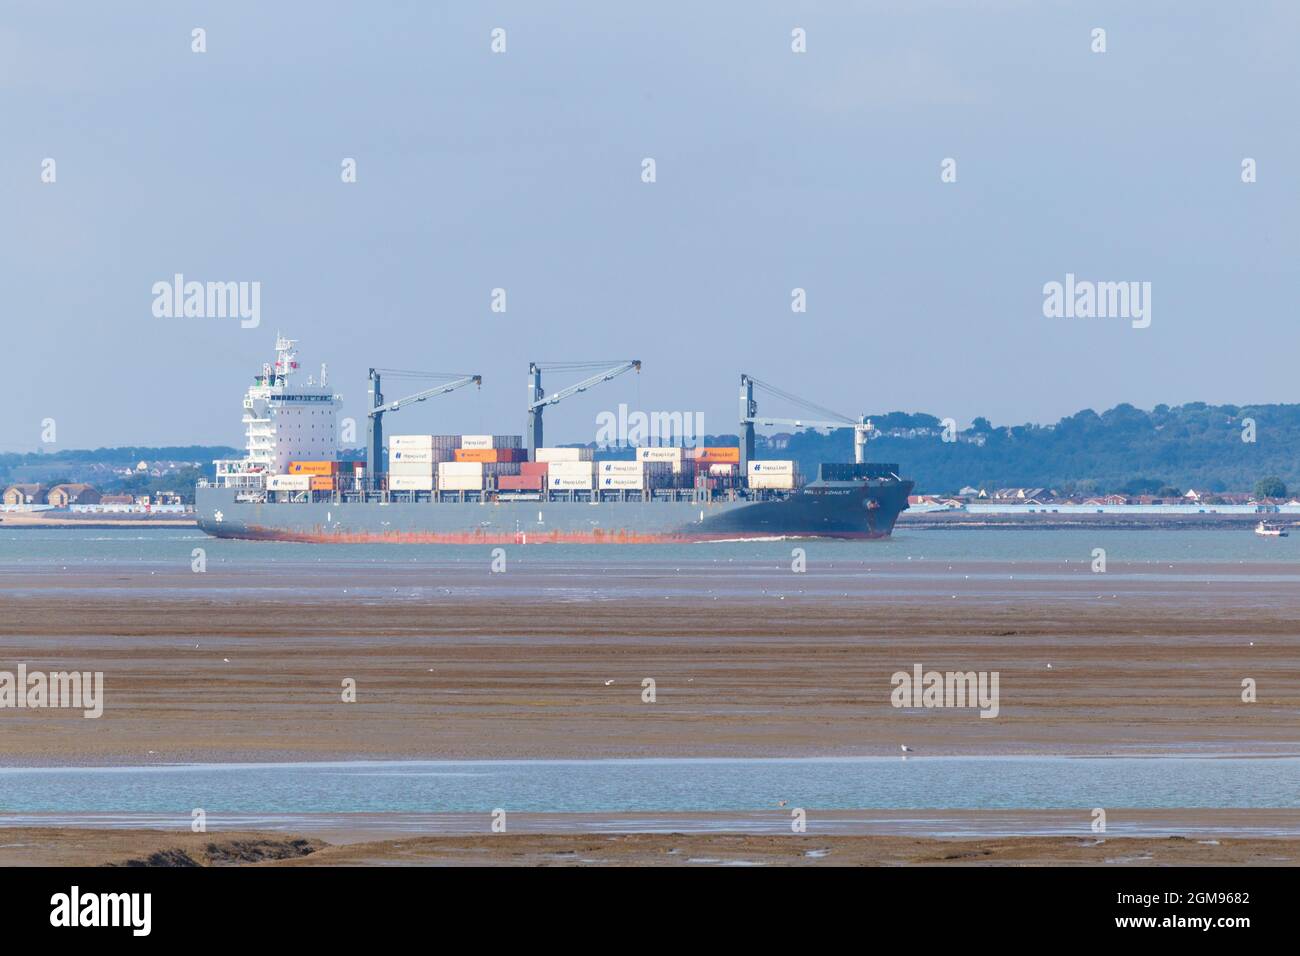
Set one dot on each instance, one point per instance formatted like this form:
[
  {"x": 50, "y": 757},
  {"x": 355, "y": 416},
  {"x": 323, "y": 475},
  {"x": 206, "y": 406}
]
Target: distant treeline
[
  {"x": 124, "y": 455},
  {"x": 1125, "y": 449}
]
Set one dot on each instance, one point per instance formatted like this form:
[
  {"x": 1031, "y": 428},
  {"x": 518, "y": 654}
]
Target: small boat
[{"x": 1270, "y": 530}]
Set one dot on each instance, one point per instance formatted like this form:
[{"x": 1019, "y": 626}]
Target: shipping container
[
  {"x": 410, "y": 441},
  {"x": 564, "y": 454},
  {"x": 521, "y": 482},
  {"x": 410, "y": 482},
  {"x": 621, "y": 468},
  {"x": 776, "y": 467},
  {"x": 490, "y": 454},
  {"x": 288, "y": 482},
  {"x": 426, "y": 456},
  {"x": 722, "y": 471},
  {"x": 312, "y": 467},
  {"x": 322, "y": 483},
  {"x": 670, "y": 456},
  {"x": 571, "y": 483},
  {"x": 572, "y": 469},
  {"x": 622, "y": 482},
  {"x": 411, "y": 468},
  {"x": 719, "y": 455},
  {"x": 476, "y": 441},
  {"x": 460, "y": 468},
  {"x": 535, "y": 468}
]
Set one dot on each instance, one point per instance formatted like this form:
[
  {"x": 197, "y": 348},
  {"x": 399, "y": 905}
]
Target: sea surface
[
  {"x": 664, "y": 785},
  {"x": 37, "y": 547}
]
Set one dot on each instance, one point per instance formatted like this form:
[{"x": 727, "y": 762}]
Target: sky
[{"x": 523, "y": 170}]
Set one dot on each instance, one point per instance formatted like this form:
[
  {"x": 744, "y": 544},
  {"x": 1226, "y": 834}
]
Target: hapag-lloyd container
[
  {"x": 409, "y": 441},
  {"x": 313, "y": 467},
  {"x": 521, "y": 482},
  {"x": 289, "y": 482},
  {"x": 572, "y": 469},
  {"x": 411, "y": 455},
  {"x": 563, "y": 454},
  {"x": 621, "y": 468},
  {"x": 410, "y": 482},
  {"x": 533, "y": 468}
]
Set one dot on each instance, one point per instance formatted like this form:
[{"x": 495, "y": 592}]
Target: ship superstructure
[{"x": 283, "y": 422}]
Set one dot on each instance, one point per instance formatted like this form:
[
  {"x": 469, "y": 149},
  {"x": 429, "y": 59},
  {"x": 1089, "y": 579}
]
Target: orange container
[
  {"x": 488, "y": 455},
  {"x": 719, "y": 456},
  {"x": 321, "y": 483},
  {"x": 312, "y": 467}
]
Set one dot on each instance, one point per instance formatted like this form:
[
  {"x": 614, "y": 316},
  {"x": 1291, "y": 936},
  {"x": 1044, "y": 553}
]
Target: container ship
[{"x": 513, "y": 489}]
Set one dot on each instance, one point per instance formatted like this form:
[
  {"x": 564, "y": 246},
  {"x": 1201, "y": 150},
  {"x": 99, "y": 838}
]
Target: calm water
[
  {"x": 58, "y": 547},
  {"x": 596, "y": 786}
]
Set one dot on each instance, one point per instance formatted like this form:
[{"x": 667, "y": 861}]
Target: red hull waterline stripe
[{"x": 595, "y": 536}]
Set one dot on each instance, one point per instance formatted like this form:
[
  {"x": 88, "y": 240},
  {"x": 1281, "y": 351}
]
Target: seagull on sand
[
  {"x": 906, "y": 749},
  {"x": 608, "y": 682}
]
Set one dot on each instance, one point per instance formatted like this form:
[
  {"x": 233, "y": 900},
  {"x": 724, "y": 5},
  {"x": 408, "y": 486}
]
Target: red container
[
  {"x": 520, "y": 482},
  {"x": 536, "y": 469}
]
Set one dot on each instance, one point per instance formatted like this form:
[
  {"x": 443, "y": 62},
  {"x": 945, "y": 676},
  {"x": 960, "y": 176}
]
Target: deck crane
[
  {"x": 749, "y": 418},
  {"x": 538, "y": 399},
  {"x": 375, "y": 460}
]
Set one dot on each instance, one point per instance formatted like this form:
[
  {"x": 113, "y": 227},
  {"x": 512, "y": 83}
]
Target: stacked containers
[
  {"x": 621, "y": 475},
  {"x": 460, "y": 476},
  {"x": 779, "y": 475},
  {"x": 410, "y": 462},
  {"x": 570, "y": 475}
]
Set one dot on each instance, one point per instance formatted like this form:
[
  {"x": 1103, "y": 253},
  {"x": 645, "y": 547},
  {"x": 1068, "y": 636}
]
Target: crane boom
[
  {"x": 749, "y": 418},
  {"x": 538, "y": 399},
  {"x": 375, "y": 459}
]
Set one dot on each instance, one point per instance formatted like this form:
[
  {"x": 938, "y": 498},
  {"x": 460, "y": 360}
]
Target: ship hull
[{"x": 848, "y": 510}]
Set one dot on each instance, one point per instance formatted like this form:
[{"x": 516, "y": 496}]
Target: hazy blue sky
[{"x": 775, "y": 170}]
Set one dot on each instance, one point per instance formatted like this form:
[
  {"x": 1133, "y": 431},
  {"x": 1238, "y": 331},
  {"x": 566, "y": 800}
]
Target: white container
[
  {"x": 622, "y": 482},
  {"x": 410, "y": 482},
  {"x": 621, "y": 468},
  {"x": 562, "y": 454},
  {"x": 722, "y": 471},
  {"x": 409, "y": 441},
  {"x": 413, "y": 455},
  {"x": 771, "y": 467},
  {"x": 476, "y": 441},
  {"x": 410, "y": 468},
  {"x": 288, "y": 482},
  {"x": 775, "y": 482},
  {"x": 659, "y": 454},
  {"x": 461, "y": 469},
  {"x": 572, "y": 469},
  {"x": 560, "y": 483},
  {"x": 670, "y": 456}
]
